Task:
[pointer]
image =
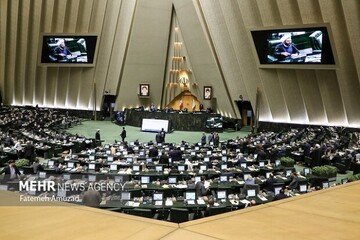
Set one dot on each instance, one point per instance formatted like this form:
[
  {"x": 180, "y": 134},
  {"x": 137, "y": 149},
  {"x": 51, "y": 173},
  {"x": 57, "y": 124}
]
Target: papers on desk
[
  {"x": 136, "y": 204},
  {"x": 168, "y": 203},
  {"x": 241, "y": 182},
  {"x": 190, "y": 202},
  {"x": 234, "y": 202},
  {"x": 200, "y": 201},
  {"x": 244, "y": 201},
  {"x": 144, "y": 186},
  {"x": 216, "y": 204},
  {"x": 262, "y": 198},
  {"x": 159, "y": 203},
  {"x": 181, "y": 186},
  {"x": 103, "y": 202}
]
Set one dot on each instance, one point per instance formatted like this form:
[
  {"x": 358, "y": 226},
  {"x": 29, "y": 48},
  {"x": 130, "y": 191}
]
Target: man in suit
[
  {"x": 200, "y": 189},
  {"x": 11, "y": 172},
  {"x": 316, "y": 156},
  {"x": 123, "y": 135},
  {"x": 153, "y": 152}
]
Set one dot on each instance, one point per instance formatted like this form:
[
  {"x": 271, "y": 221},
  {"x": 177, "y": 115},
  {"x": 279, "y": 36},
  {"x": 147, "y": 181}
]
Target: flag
[
  {"x": 180, "y": 104},
  {"x": 193, "y": 105}
]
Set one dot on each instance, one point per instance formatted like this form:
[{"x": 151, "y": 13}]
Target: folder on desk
[{"x": 200, "y": 201}]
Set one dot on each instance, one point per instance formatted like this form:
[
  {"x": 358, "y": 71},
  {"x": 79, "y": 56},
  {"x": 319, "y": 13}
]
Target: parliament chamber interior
[{"x": 175, "y": 119}]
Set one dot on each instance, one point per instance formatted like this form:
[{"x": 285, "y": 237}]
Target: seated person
[
  {"x": 294, "y": 184},
  {"x": 285, "y": 49},
  {"x": 37, "y": 167},
  {"x": 284, "y": 193},
  {"x": 61, "y": 51},
  {"x": 250, "y": 180}
]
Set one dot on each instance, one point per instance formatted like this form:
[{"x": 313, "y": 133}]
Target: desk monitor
[
  {"x": 221, "y": 194},
  {"x": 224, "y": 166},
  {"x": 197, "y": 179},
  {"x": 261, "y": 164},
  {"x": 42, "y": 174},
  {"x": 193, "y": 153},
  {"x": 208, "y": 152},
  {"x": 172, "y": 180},
  {"x": 181, "y": 168},
  {"x": 306, "y": 171},
  {"x": 189, "y": 195},
  {"x": 251, "y": 193},
  {"x": 92, "y": 157},
  {"x": 50, "y": 163},
  {"x": 107, "y": 146},
  {"x": 268, "y": 174},
  {"x": 303, "y": 188},
  {"x": 110, "y": 158},
  {"x": 141, "y": 153},
  {"x": 277, "y": 163},
  {"x": 325, "y": 185},
  {"x": 344, "y": 180},
  {"x": 206, "y": 159},
  {"x": 136, "y": 148},
  {"x": 158, "y": 196},
  {"x": 251, "y": 190},
  {"x": 167, "y": 149},
  {"x": 277, "y": 190},
  {"x": 203, "y": 167},
  {"x": 91, "y": 166},
  {"x": 224, "y": 158},
  {"x": 70, "y": 164},
  {"x": 92, "y": 178},
  {"x": 113, "y": 167},
  {"x": 159, "y": 168},
  {"x": 243, "y": 165},
  {"x": 197, "y": 148},
  {"x": 136, "y": 168},
  {"x": 149, "y": 160},
  {"x": 145, "y": 179},
  {"x": 108, "y": 152},
  {"x": 125, "y": 196},
  {"x": 125, "y": 152},
  {"x": 3, "y": 187},
  {"x": 223, "y": 152},
  {"x": 129, "y": 160},
  {"x": 288, "y": 173},
  {"x": 92, "y": 151},
  {"x": 66, "y": 176},
  {"x": 224, "y": 178},
  {"x": 332, "y": 183}
]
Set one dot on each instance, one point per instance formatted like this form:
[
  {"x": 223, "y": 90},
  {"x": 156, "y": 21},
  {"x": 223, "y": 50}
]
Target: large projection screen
[{"x": 154, "y": 125}]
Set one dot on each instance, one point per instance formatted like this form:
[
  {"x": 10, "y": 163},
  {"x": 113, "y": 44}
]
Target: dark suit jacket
[{"x": 6, "y": 170}]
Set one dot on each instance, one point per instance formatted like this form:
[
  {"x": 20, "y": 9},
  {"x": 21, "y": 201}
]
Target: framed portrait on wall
[
  {"x": 207, "y": 93},
  {"x": 144, "y": 90}
]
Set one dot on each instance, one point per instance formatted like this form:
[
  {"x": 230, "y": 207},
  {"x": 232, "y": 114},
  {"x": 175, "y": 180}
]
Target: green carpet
[{"x": 111, "y": 132}]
